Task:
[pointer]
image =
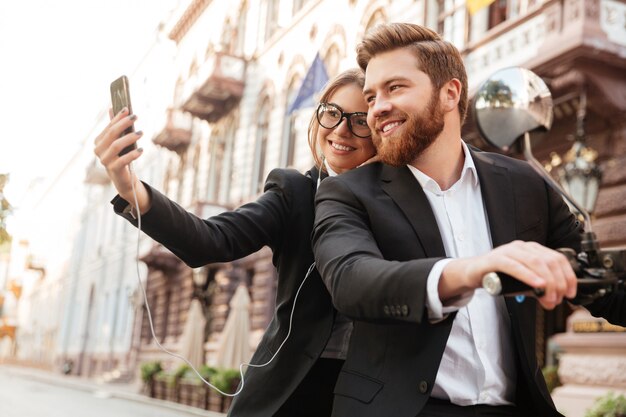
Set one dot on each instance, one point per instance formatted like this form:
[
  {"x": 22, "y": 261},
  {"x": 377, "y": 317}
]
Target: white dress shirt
[{"x": 478, "y": 365}]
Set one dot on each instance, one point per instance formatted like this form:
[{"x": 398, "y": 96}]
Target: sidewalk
[{"x": 127, "y": 391}]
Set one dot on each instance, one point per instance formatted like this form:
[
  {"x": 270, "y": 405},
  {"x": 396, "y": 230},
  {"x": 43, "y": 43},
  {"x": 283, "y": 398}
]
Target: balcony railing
[
  {"x": 158, "y": 257},
  {"x": 554, "y": 33},
  {"x": 216, "y": 88},
  {"x": 176, "y": 133}
]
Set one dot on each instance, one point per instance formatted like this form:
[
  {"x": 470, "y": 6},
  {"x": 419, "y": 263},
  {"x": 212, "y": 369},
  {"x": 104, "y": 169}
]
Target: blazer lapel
[
  {"x": 498, "y": 198},
  {"x": 406, "y": 192}
]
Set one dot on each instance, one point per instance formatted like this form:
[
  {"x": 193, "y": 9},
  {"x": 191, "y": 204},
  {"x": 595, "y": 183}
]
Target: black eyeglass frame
[{"x": 344, "y": 115}]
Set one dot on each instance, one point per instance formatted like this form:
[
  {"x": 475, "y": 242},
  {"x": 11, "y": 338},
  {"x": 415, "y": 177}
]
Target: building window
[
  {"x": 498, "y": 11},
  {"x": 222, "y": 192},
  {"x": 289, "y": 126},
  {"x": 179, "y": 90},
  {"x": 331, "y": 60},
  {"x": 196, "y": 170},
  {"x": 271, "y": 18},
  {"x": 260, "y": 147},
  {"x": 216, "y": 164},
  {"x": 228, "y": 38},
  {"x": 453, "y": 22},
  {"x": 240, "y": 32},
  {"x": 297, "y": 5},
  {"x": 180, "y": 175},
  {"x": 378, "y": 17}
]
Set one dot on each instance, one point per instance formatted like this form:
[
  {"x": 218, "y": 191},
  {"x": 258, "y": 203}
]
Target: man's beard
[{"x": 421, "y": 131}]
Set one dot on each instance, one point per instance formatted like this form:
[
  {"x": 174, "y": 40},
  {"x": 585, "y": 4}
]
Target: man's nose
[{"x": 380, "y": 107}]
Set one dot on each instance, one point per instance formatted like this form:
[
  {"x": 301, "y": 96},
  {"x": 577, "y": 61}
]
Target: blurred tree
[{"x": 5, "y": 210}]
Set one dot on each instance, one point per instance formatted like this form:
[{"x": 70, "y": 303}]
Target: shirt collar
[
  {"x": 468, "y": 172},
  {"x": 330, "y": 171}
]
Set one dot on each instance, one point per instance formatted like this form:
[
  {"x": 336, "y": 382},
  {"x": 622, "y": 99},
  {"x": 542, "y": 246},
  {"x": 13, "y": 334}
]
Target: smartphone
[{"x": 120, "y": 98}]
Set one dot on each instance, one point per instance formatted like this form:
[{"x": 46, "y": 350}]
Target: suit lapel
[
  {"x": 498, "y": 198},
  {"x": 406, "y": 192}
]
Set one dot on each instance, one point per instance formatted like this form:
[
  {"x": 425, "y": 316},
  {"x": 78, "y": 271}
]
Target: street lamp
[{"x": 579, "y": 174}]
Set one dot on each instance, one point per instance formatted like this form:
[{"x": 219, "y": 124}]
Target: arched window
[
  {"x": 178, "y": 91},
  {"x": 296, "y": 6},
  {"x": 331, "y": 60},
  {"x": 240, "y": 32},
  {"x": 228, "y": 38},
  {"x": 452, "y": 22},
  {"x": 217, "y": 163},
  {"x": 271, "y": 18},
  {"x": 377, "y": 18},
  {"x": 289, "y": 128},
  {"x": 260, "y": 146},
  {"x": 197, "y": 150}
]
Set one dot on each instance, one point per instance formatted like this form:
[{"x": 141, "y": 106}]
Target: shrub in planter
[
  {"x": 207, "y": 372},
  {"x": 178, "y": 374},
  {"x": 608, "y": 406},
  {"x": 550, "y": 374},
  {"x": 161, "y": 386},
  {"x": 149, "y": 370},
  {"x": 226, "y": 380}
]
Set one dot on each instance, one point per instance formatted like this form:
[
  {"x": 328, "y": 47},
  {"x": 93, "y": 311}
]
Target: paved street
[{"x": 33, "y": 393}]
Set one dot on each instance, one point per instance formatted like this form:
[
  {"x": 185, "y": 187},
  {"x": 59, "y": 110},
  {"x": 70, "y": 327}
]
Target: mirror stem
[{"x": 541, "y": 171}]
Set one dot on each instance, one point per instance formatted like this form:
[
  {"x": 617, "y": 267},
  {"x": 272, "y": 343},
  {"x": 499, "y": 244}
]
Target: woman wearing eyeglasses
[{"x": 299, "y": 381}]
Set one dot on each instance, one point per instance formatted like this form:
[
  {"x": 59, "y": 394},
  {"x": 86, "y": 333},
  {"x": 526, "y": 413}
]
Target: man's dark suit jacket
[
  {"x": 375, "y": 241},
  {"x": 281, "y": 218}
]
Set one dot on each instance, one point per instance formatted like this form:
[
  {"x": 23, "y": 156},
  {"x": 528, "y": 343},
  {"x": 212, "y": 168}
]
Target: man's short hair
[{"x": 439, "y": 59}]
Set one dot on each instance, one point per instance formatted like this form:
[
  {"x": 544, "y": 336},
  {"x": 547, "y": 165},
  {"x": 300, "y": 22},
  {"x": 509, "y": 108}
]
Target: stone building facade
[{"x": 220, "y": 125}]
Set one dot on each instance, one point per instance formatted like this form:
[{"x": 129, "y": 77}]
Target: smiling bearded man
[
  {"x": 403, "y": 246},
  {"x": 403, "y": 147}
]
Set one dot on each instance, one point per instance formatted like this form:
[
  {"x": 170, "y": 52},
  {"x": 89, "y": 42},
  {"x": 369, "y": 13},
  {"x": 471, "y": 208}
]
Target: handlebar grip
[{"x": 506, "y": 285}]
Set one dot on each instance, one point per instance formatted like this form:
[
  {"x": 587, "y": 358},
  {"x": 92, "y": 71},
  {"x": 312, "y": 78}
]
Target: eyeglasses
[{"x": 330, "y": 116}]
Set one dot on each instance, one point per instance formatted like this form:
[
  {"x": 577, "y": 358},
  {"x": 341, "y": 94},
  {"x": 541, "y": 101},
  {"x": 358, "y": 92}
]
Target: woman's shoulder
[
  {"x": 289, "y": 176},
  {"x": 290, "y": 181}
]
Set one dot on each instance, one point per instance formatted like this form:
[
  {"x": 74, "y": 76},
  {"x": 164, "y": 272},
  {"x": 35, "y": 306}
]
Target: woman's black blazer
[{"x": 281, "y": 218}]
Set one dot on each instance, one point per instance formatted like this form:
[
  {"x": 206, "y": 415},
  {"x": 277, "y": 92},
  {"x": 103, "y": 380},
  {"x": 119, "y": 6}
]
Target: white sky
[{"x": 57, "y": 59}]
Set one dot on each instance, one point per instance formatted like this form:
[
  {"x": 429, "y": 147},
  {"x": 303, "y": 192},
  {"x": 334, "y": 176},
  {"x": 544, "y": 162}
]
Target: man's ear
[{"x": 451, "y": 94}]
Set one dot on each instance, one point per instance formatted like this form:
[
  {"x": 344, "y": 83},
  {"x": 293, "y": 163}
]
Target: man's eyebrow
[{"x": 385, "y": 83}]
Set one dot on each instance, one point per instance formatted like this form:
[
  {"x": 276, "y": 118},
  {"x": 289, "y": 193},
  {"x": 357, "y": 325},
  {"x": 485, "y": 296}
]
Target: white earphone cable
[{"x": 145, "y": 298}]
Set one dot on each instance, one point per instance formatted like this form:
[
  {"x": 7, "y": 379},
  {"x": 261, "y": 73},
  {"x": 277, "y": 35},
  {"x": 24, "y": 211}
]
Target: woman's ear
[{"x": 451, "y": 94}]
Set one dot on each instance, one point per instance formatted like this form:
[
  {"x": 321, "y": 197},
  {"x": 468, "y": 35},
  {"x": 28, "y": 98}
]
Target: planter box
[
  {"x": 163, "y": 389},
  {"x": 193, "y": 392}
]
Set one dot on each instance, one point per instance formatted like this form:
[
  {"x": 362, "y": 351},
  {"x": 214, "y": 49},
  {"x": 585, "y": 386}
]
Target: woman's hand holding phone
[{"x": 108, "y": 146}]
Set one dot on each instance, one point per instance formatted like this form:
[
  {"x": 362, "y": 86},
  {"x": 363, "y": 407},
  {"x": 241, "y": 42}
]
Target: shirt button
[
  {"x": 423, "y": 387},
  {"x": 483, "y": 396},
  {"x": 386, "y": 310},
  {"x": 461, "y": 237}
]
